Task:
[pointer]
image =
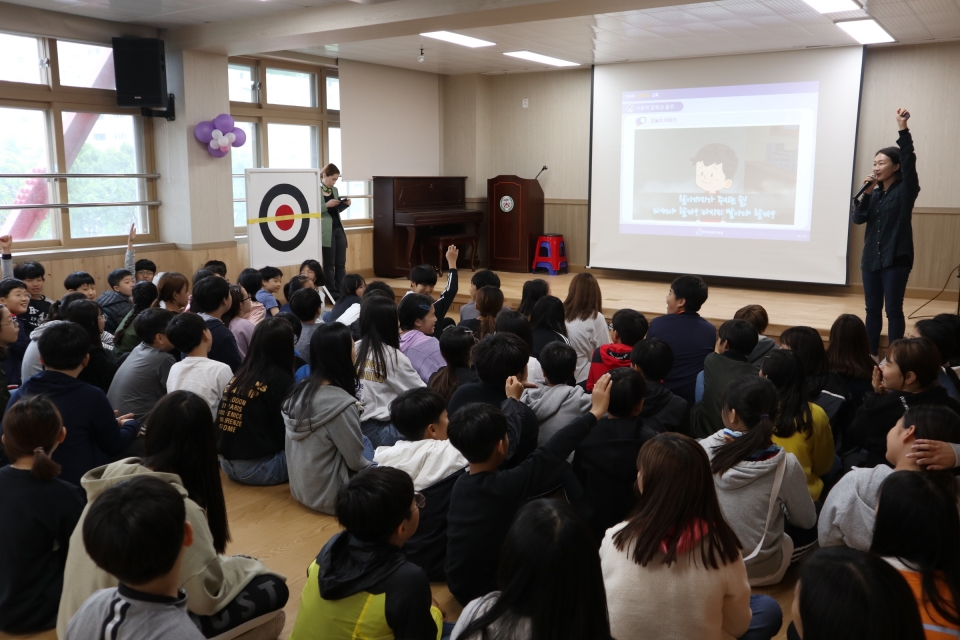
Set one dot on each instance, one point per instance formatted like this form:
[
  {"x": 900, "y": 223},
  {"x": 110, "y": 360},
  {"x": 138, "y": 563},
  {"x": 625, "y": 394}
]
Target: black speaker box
[{"x": 141, "y": 72}]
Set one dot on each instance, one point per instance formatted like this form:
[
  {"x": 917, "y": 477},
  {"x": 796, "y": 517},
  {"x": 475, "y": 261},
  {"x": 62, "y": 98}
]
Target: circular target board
[{"x": 282, "y": 230}]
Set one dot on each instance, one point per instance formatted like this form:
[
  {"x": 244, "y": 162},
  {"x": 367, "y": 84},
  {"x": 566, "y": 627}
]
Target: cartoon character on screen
[{"x": 715, "y": 165}]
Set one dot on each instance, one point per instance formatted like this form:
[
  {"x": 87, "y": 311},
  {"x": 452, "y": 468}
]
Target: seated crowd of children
[{"x": 566, "y": 479}]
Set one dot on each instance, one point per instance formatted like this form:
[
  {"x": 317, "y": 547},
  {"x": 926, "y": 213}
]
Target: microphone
[
  {"x": 541, "y": 171},
  {"x": 864, "y": 188}
]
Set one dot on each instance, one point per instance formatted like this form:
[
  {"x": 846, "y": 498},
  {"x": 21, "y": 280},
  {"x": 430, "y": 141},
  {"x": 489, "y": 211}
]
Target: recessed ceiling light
[
  {"x": 833, "y": 6},
  {"x": 456, "y": 38},
  {"x": 536, "y": 57},
  {"x": 866, "y": 31}
]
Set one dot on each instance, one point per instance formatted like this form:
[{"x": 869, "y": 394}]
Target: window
[
  {"x": 290, "y": 113},
  {"x": 85, "y": 65},
  {"x": 334, "y": 153},
  {"x": 242, "y": 82},
  {"x": 293, "y": 88},
  {"x": 333, "y": 93},
  {"x": 74, "y": 168},
  {"x": 360, "y": 193},
  {"x": 293, "y": 146},
  {"x": 22, "y": 59},
  {"x": 24, "y": 148},
  {"x": 245, "y": 157},
  {"x": 116, "y": 153}
]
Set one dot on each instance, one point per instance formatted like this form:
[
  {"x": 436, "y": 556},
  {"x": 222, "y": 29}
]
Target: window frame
[
  {"x": 263, "y": 113},
  {"x": 55, "y": 99}
]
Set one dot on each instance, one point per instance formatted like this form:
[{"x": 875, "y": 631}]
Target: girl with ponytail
[
  {"x": 757, "y": 482},
  {"x": 38, "y": 512},
  {"x": 489, "y": 304},
  {"x": 125, "y": 339}
]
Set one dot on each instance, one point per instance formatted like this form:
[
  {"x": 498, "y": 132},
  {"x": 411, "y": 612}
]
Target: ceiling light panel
[
  {"x": 541, "y": 59},
  {"x": 833, "y": 6},
  {"x": 456, "y": 38},
  {"x": 866, "y": 31}
]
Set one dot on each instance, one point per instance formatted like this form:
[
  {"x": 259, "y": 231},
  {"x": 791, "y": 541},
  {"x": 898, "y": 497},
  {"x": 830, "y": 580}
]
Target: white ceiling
[
  {"x": 693, "y": 30},
  {"x": 169, "y": 14},
  {"x": 687, "y": 30}
]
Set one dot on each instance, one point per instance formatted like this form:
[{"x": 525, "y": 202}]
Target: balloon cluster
[{"x": 219, "y": 135}]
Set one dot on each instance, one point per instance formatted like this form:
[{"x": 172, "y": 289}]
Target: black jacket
[
  {"x": 719, "y": 370},
  {"x": 879, "y": 413},
  {"x": 224, "y": 347},
  {"x": 100, "y": 369},
  {"x": 115, "y": 307},
  {"x": 428, "y": 547},
  {"x": 888, "y": 215},
  {"x": 483, "y": 506},
  {"x": 664, "y": 411},
  {"x": 526, "y": 442},
  {"x": 606, "y": 465}
]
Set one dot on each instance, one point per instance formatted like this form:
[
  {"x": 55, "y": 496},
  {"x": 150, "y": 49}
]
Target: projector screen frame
[{"x": 734, "y": 280}]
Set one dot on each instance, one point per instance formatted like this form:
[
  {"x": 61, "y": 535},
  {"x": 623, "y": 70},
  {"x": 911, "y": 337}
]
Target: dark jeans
[
  {"x": 767, "y": 618},
  {"x": 885, "y": 287},
  {"x": 380, "y": 433},
  {"x": 335, "y": 260}
]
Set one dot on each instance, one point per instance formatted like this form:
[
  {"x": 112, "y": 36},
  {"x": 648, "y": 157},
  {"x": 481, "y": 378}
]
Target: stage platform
[{"x": 785, "y": 306}]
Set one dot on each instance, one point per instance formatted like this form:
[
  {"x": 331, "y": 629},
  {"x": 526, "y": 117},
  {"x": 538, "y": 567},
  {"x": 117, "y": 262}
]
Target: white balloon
[
  {"x": 214, "y": 144},
  {"x": 216, "y": 133},
  {"x": 230, "y": 137}
]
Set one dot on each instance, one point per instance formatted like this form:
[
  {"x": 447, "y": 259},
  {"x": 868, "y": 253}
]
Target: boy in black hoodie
[
  {"x": 423, "y": 279},
  {"x": 606, "y": 461},
  {"x": 94, "y": 435},
  {"x": 115, "y": 302},
  {"x": 485, "y": 500},
  {"x": 662, "y": 410},
  {"x": 361, "y": 584}
]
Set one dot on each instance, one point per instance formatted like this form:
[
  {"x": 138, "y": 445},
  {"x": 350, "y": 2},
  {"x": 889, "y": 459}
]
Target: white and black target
[
  {"x": 283, "y": 219},
  {"x": 285, "y": 232}
]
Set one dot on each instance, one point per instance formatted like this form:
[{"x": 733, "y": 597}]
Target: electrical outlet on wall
[{"x": 526, "y": 103}]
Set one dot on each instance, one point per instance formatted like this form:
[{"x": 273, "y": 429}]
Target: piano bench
[{"x": 444, "y": 241}]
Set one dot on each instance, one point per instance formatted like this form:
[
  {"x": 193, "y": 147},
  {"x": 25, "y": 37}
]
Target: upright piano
[{"x": 407, "y": 210}]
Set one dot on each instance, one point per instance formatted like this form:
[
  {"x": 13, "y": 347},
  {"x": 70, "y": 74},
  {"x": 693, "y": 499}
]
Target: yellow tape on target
[{"x": 279, "y": 218}]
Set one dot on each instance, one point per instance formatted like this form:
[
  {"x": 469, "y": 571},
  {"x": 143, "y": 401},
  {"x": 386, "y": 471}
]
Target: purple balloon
[
  {"x": 216, "y": 153},
  {"x": 203, "y": 131},
  {"x": 241, "y": 137},
  {"x": 224, "y": 122}
]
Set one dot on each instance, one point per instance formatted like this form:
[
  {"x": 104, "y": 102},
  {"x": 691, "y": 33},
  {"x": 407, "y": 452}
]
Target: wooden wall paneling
[{"x": 569, "y": 219}]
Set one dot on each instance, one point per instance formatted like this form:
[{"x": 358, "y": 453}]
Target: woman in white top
[
  {"x": 551, "y": 582},
  {"x": 586, "y": 326},
  {"x": 674, "y": 569},
  {"x": 384, "y": 371}
]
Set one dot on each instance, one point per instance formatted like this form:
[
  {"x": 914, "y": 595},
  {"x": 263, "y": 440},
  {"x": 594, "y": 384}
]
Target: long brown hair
[
  {"x": 170, "y": 284},
  {"x": 849, "y": 350},
  {"x": 33, "y": 426},
  {"x": 455, "y": 345},
  {"x": 678, "y": 493},
  {"x": 489, "y": 304},
  {"x": 584, "y": 300}
]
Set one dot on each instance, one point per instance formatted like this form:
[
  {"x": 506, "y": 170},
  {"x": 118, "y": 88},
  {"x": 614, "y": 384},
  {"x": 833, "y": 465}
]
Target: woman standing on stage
[
  {"x": 888, "y": 242},
  {"x": 334, "y": 238}
]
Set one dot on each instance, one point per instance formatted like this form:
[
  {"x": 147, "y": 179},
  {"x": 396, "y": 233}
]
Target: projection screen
[{"x": 736, "y": 166}]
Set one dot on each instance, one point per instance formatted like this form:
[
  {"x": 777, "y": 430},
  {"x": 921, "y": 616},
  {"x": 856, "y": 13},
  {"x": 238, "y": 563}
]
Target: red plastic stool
[{"x": 551, "y": 254}]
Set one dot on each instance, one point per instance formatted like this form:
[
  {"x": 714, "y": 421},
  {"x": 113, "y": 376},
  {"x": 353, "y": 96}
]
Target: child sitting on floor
[
  {"x": 137, "y": 531},
  {"x": 556, "y": 403},
  {"x": 485, "y": 501},
  {"x": 116, "y": 302},
  {"x": 196, "y": 372},
  {"x": 423, "y": 279},
  {"x": 361, "y": 583},
  {"x": 629, "y": 328},
  {"x": 420, "y": 415}
]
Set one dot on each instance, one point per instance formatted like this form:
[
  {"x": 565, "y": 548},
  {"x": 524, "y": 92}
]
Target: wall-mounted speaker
[{"x": 141, "y": 72}]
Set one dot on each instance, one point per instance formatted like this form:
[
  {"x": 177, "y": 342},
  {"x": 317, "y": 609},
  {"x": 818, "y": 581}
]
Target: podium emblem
[{"x": 506, "y": 204}]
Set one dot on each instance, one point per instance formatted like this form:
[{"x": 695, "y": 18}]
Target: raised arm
[
  {"x": 908, "y": 157},
  {"x": 6, "y": 256}
]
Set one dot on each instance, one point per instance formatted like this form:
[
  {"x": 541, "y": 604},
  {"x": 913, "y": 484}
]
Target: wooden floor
[
  {"x": 267, "y": 523},
  {"x": 785, "y": 307}
]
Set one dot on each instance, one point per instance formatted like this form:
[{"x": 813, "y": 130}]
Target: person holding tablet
[{"x": 334, "y": 238}]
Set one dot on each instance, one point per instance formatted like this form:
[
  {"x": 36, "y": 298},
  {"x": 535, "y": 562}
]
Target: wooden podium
[{"x": 515, "y": 219}]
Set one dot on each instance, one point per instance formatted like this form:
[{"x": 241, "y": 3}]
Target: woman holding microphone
[
  {"x": 887, "y": 207},
  {"x": 334, "y": 238}
]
